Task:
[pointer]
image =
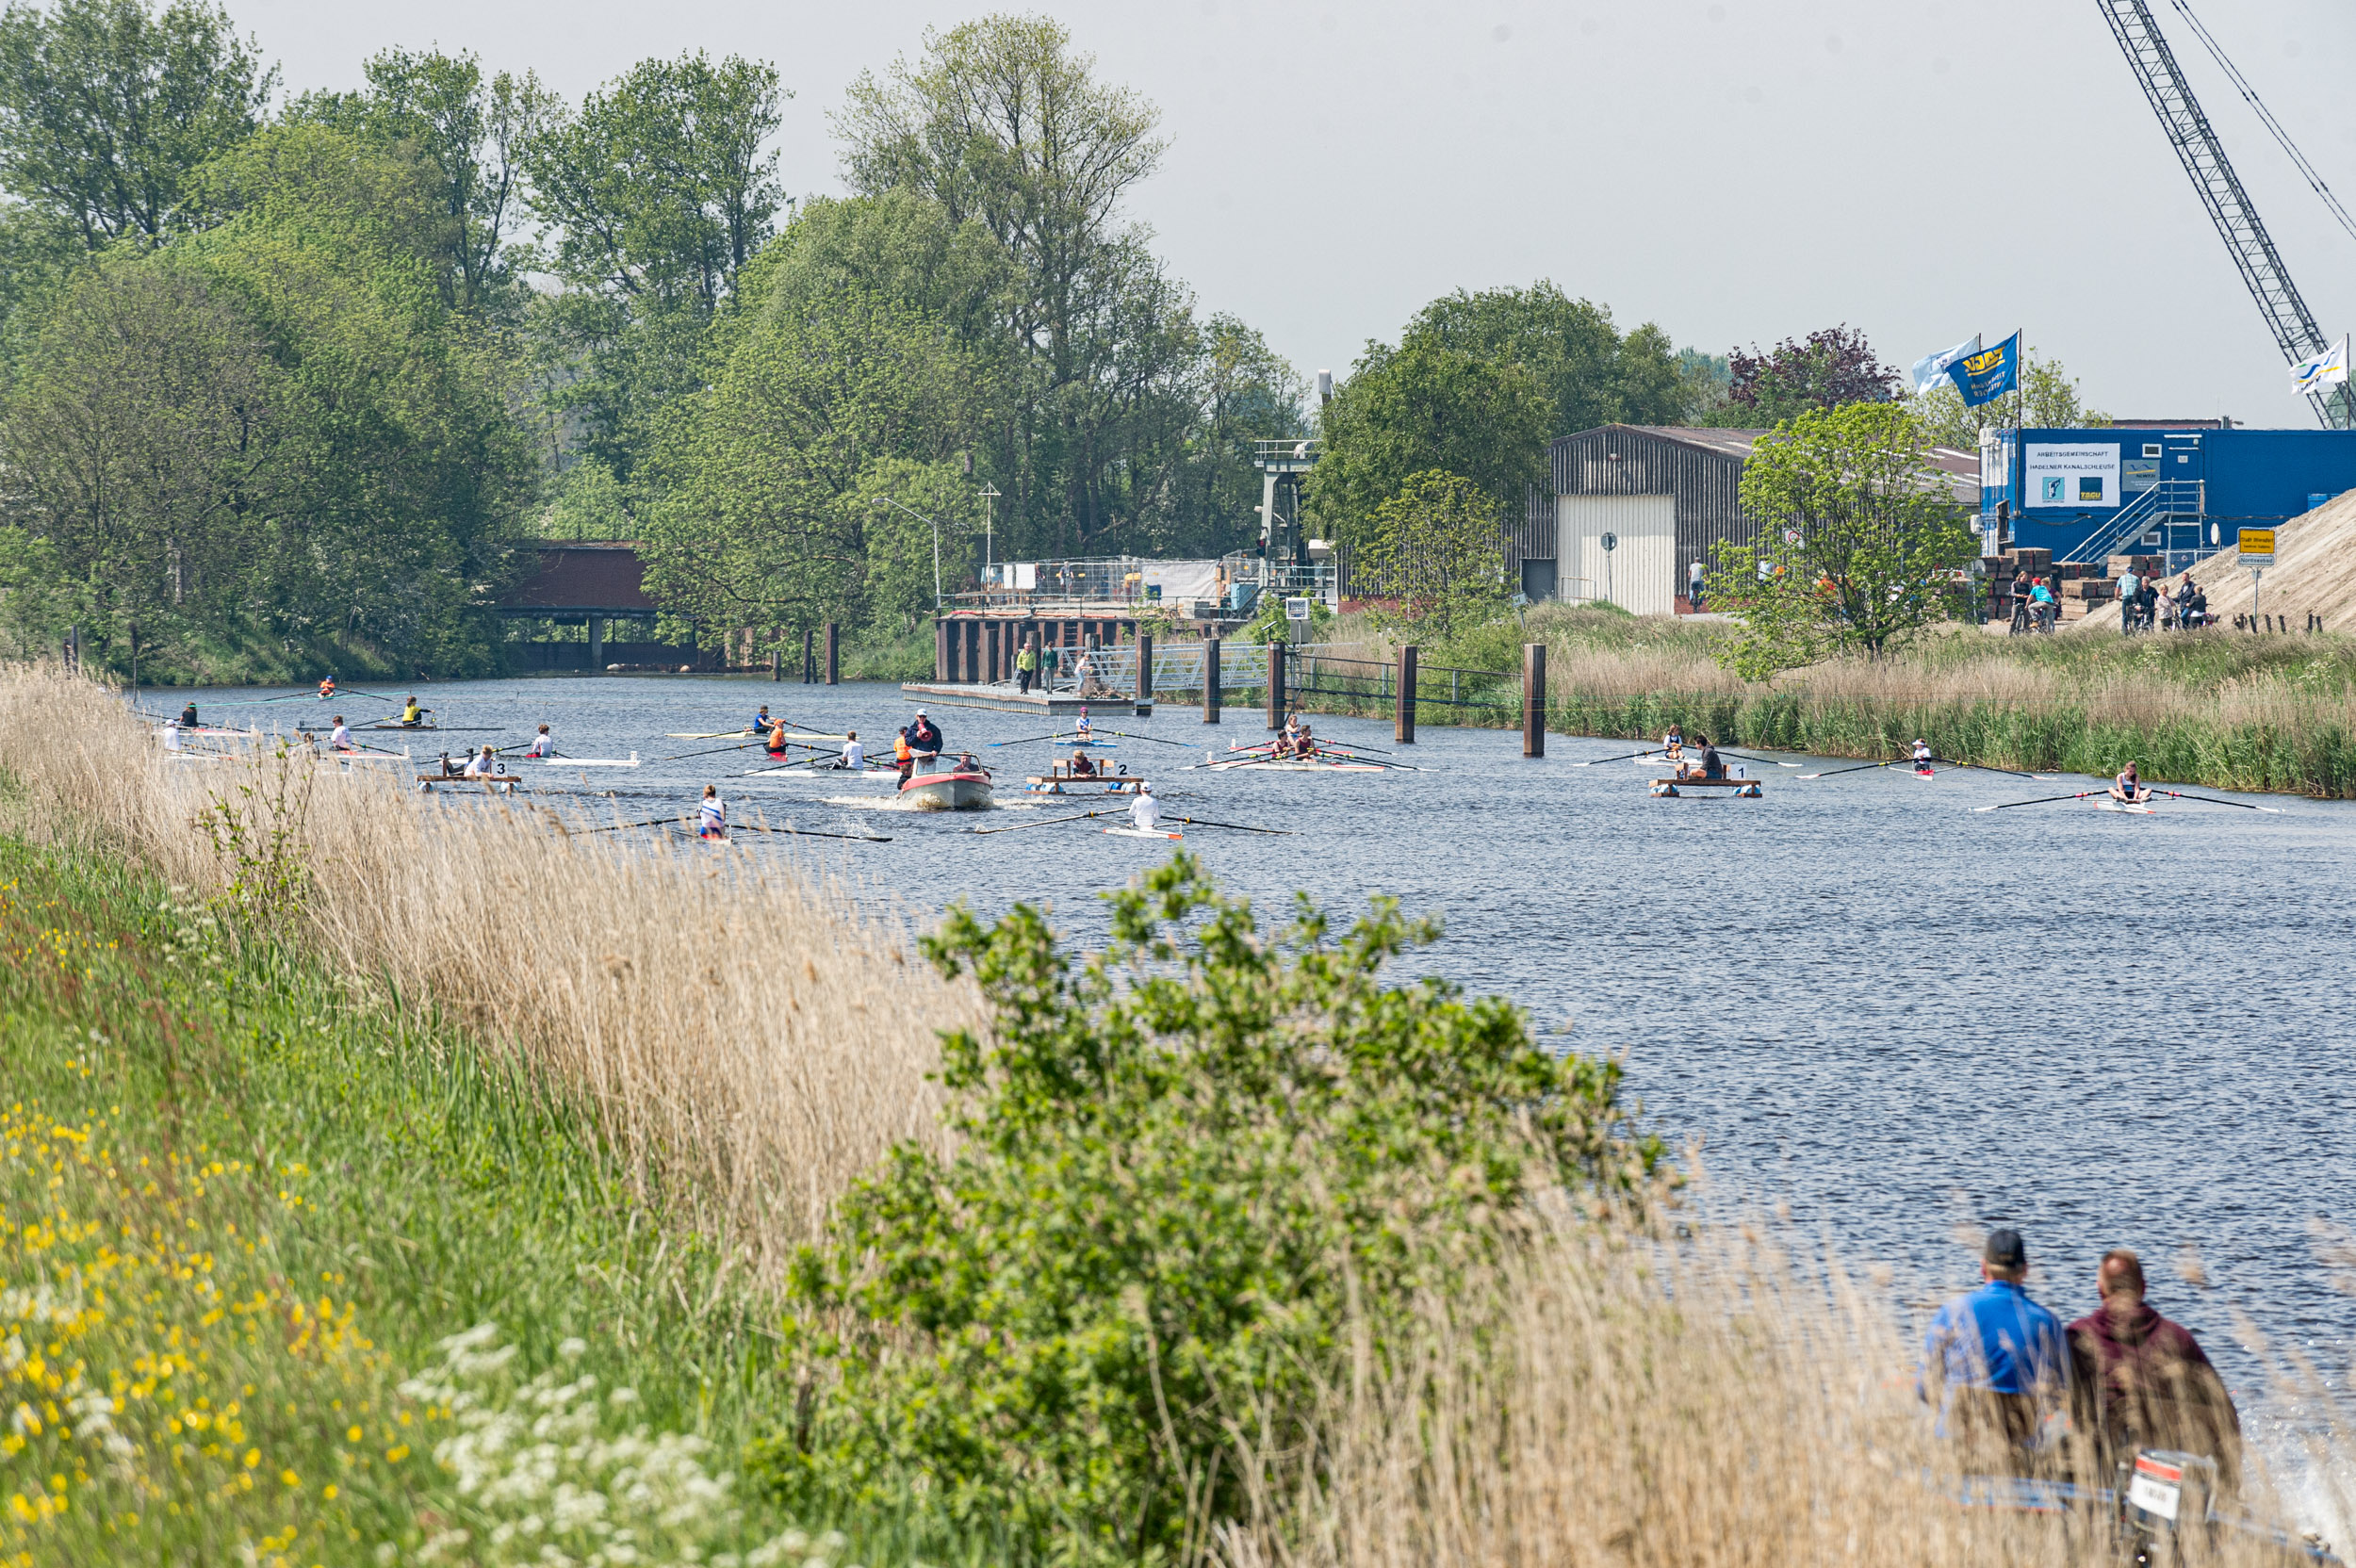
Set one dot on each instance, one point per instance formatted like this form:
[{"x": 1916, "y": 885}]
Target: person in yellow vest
[
  {"x": 903, "y": 754},
  {"x": 412, "y": 716}
]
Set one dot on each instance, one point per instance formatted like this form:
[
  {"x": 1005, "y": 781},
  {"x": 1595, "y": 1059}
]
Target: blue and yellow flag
[{"x": 1989, "y": 374}]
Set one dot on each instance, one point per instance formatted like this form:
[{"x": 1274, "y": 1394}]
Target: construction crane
[{"x": 2221, "y": 192}]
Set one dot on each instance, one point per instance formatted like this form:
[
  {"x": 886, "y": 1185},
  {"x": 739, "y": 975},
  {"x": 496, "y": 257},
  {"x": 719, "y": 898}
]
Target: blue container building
[{"x": 2133, "y": 490}]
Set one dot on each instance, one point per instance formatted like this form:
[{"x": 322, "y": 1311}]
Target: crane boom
[{"x": 2220, "y": 190}]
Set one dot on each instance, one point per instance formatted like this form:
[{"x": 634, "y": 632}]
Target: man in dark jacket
[
  {"x": 2140, "y": 1381},
  {"x": 924, "y": 738}
]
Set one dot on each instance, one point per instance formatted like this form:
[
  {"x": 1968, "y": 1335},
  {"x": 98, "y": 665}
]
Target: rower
[
  {"x": 924, "y": 738},
  {"x": 481, "y": 766},
  {"x": 2128, "y": 789},
  {"x": 327, "y": 690},
  {"x": 1081, "y": 766},
  {"x": 543, "y": 744},
  {"x": 1304, "y": 744},
  {"x": 776, "y": 743},
  {"x": 412, "y": 716},
  {"x": 712, "y": 822},
  {"x": 1145, "y": 812},
  {"x": 1674, "y": 743},
  {"x": 1921, "y": 756},
  {"x": 1712, "y": 765},
  {"x": 903, "y": 754},
  {"x": 341, "y": 739},
  {"x": 854, "y": 758},
  {"x": 1082, "y": 734},
  {"x": 187, "y": 717},
  {"x": 763, "y": 724}
]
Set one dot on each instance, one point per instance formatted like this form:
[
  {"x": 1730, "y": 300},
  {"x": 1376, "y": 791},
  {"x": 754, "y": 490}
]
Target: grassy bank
[
  {"x": 241, "y": 1221},
  {"x": 2216, "y": 709}
]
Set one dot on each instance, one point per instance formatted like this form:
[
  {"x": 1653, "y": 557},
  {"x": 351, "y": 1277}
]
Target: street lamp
[{"x": 887, "y": 501}]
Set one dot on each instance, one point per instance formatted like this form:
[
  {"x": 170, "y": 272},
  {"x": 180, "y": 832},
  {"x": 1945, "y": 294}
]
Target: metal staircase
[{"x": 2154, "y": 508}]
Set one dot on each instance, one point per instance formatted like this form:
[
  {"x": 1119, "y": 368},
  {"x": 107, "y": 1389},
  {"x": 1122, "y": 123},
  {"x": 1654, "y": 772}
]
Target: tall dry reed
[
  {"x": 747, "y": 1040},
  {"x": 1621, "y": 1398}
]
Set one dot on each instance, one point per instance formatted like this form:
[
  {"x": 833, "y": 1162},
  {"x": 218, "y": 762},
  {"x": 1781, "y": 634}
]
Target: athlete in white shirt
[
  {"x": 854, "y": 758},
  {"x": 543, "y": 744},
  {"x": 1921, "y": 756},
  {"x": 1145, "y": 812},
  {"x": 711, "y": 822},
  {"x": 481, "y": 766},
  {"x": 341, "y": 739},
  {"x": 1082, "y": 731}
]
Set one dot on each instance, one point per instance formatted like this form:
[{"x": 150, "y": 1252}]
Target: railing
[
  {"x": 1348, "y": 681},
  {"x": 2168, "y": 499},
  {"x": 1286, "y": 456},
  {"x": 1079, "y": 586},
  {"x": 1318, "y": 581}
]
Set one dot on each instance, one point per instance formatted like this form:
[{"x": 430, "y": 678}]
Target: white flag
[
  {"x": 2313, "y": 375},
  {"x": 1932, "y": 368}
]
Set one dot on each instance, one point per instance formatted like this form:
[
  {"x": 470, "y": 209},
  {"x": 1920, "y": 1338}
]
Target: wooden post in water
[
  {"x": 1404, "y": 720},
  {"x": 597, "y": 642},
  {"x": 1210, "y": 681},
  {"x": 1534, "y": 699},
  {"x": 834, "y": 654},
  {"x": 1276, "y": 685},
  {"x": 776, "y": 663},
  {"x": 1145, "y": 669},
  {"x": 810, "y": 657}
]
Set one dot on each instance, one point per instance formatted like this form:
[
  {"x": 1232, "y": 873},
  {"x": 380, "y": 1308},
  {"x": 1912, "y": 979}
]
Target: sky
[{"x": 1736, "y": 170}]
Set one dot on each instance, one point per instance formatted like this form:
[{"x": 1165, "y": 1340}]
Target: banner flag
[
  {"x": 1989, "y": 374},
  {"x": 2313, "y": 375},
  {"x": 1932, "y": 368}
]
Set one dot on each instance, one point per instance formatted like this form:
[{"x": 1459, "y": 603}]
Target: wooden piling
[
  {"x": 1276, "y": 685},
  {"x": 834, "y": 654},
  {"x": 1403, "y": 718},
  {"x": 777, "y": 664},
  {"x": 810, "y": 657},
  {"x": 1210, "y": 681},
  {"x": 1145, "y": 668},
  {"x": 1534, "y": 699}
]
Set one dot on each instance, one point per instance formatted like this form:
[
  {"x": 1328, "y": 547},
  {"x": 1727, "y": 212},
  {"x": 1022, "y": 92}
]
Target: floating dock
[{"x": 1003, "y": 696}]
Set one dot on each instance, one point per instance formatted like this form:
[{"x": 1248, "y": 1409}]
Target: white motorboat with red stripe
[{"x": 961, "y": 786}]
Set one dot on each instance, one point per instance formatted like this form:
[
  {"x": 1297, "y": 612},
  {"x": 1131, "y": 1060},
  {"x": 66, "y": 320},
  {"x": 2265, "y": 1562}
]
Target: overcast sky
[{"x": 1733, "y": 170}]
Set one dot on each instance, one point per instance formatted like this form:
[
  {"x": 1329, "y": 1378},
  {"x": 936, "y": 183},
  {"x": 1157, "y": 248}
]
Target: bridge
[{"x": 591, "y": 584}]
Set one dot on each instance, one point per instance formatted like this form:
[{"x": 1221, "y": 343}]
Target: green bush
[{"x": 1181, "y": 1164}]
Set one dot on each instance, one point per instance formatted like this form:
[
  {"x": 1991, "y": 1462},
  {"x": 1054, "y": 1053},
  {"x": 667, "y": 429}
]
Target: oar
[
  {"x": 1043, "y": 822},
  {"x": 1862, "y": 767},
  {"x": 2240, "y": 805},
  {"x": 614, "y": 827},
  {"x": 1630, "y": 757},
  {"x": 715, "y": 751},
  {"x": 1156, "y": 739},
  {"x": 2041, "y": 800},
  {"x": 1746, "y": 757},
  {"x": 1029, "y": 740},
  {"x": 2010, "y": 772},
  {"x": 1336, "y": 756},
  {"x": 813, "y": 833},
  {"x": 1198, "y": 822}
]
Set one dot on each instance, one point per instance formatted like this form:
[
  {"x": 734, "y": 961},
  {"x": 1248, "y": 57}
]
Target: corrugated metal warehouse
[{"x": 1664, "y": 496}]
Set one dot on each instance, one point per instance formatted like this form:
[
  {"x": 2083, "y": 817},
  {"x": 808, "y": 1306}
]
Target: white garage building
[{"x": 1634, "y": 505}]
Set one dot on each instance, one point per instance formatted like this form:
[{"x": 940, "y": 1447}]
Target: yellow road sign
[{"x": 2257, "y": 546}]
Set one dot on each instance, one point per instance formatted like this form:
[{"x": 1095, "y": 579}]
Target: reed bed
[
  {"x": 746, "y": 1041},
  {"x": 1622, "y": 1396}
]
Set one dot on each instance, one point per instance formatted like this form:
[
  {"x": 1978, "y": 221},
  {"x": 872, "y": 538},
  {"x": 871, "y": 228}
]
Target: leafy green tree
[
  {"x": 1435, "y": 551},
  {"x": 588, "y": 503},
  {"x": 1428, "y": 406},
  {"x": 472, "y": 132},
  {"x": 1832, "y": 367},
  {"x": 1001, "y": 122},
  {"x": 1858, "y": 544},
  {"x": 762, "y": 509},
  {"x": 1594, "y": 375},
  {"x": 2048, "y": 399},
  {"x": 1182, "y": 1168},
  {"x": 107, "y": 108},
  {"x": 657, "y": 192}
]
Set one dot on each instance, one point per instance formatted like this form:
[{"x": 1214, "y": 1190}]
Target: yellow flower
[
  {"x": 352, "y": 1436},
  {"x": 252, "y": 1458},
  {"x": 287, "y": 1478},
  {"x": 328, "y": 1492}
]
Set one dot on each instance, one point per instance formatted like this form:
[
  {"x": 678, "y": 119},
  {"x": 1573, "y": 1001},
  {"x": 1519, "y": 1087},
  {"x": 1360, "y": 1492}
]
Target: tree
[
  {"x": 1001, "y": 122},
  {"x": 1428, "y": 406},
  {"x": 1858, "y": 547},
  {"x": 472, "y": 132},
  {"x": 1182, "y": 1170},
  {"x": 658, "y": 193},
  {"x": 2048, "y": 399},
  {"x": 763, "y": 501},
  {"x": 1592, "y": 374},
  {"x": 1436, "y": 551},
  {"x": 106, "y": 109},
  {"x": 1833, "y": 367}
]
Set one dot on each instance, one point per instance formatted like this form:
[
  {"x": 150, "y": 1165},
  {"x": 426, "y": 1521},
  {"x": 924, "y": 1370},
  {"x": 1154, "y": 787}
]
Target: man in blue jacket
[{"x": 1995, "y": 1362}]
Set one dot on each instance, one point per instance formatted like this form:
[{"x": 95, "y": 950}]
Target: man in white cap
[
  {"x": 925, "y": 739},
  {"x": 1145, "y": 812}
]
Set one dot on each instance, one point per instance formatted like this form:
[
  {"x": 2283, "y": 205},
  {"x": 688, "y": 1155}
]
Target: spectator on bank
[
  {"x": 1995, "y": 1364},
  {"x": 2150, "y": 600},
  {"x": 2043, "y": 605},
  {"x": 2192, "y": 604},
  {"x": 2139, "y": 1381},
  {"x": 2022, "y": 586},
  {"x": 1026, "y": 663},
  {"x": 2168, "y": 608},
  {"x": 1694, "y": 586},
  {"x": 2130, "y": 599}
]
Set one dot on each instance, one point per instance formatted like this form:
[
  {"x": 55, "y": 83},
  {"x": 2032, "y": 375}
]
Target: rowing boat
[
  {"x": 2137, "y": 809},
  {"x": 1671, "y": 789},
  {"x": 1292, "y": 764},
  {"x": 1141, "y": 833},
  {"x": 586, "y": 762},
  {"x": 733, "y": 734},
  {"x": 493, "y": 781},
  {"x": 804, "y": 771},
  {"x": 956, "y": 790},
  {"x": 1120, "y": 783}
]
